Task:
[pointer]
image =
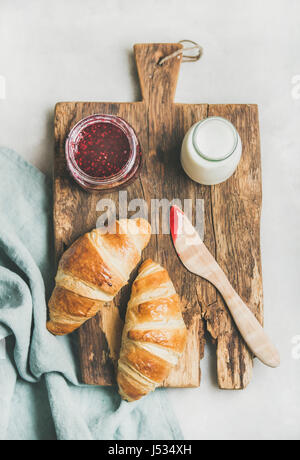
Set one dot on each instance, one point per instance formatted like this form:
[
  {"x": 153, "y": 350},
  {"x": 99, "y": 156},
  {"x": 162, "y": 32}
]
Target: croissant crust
[
  {"x": 92, "y": 272},
  {"x": 154, "y": 335}
]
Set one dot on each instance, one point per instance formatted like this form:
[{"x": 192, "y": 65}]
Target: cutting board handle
[{"x": 158, "y": 82}]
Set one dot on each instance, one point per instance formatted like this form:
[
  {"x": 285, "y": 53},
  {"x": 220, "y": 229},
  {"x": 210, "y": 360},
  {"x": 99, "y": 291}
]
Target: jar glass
[
  {"x": 211, "y": 151},
  {"x": 103, "y": 152}
]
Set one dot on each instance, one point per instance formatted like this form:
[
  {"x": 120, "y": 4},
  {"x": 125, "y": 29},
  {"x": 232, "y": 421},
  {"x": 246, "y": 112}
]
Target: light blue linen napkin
[{"x": 40, "y": 394}]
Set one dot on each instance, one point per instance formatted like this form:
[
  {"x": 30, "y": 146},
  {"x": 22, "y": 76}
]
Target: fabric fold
[{"x": 40, "y": 392}]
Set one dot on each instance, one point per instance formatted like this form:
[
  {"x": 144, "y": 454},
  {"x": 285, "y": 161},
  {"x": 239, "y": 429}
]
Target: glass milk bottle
[{"x": 211, "y": 151}]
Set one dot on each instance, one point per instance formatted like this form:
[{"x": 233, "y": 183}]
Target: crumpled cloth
[{"x": 40, "y": 394}]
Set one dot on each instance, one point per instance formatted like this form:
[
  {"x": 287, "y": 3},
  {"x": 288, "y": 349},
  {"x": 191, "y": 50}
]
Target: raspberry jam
[{"x": 102, "y": 152}]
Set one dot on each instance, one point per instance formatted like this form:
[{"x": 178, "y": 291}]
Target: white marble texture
[{"x": 81, "y": 50}]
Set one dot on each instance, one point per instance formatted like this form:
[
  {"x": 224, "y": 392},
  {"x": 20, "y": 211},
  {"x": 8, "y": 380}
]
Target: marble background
[{"x": 81, "y": 50}]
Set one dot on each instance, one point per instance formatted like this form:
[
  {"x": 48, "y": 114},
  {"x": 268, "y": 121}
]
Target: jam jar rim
[{"x": 104, "y": 118}]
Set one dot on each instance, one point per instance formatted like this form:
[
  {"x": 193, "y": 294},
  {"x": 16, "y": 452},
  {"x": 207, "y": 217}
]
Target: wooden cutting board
[{"x": 232, "y": 222}]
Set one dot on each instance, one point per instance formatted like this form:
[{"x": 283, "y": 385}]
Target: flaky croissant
[
  {"x": 92, "y": 271},
  {"x": 154, "y": 335}
]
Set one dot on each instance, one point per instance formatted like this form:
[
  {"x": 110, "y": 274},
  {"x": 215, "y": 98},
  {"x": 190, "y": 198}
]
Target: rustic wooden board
[{"x": 232, "y": 221}]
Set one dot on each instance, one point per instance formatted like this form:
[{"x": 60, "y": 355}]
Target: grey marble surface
[{"x": 81, "y": 50}]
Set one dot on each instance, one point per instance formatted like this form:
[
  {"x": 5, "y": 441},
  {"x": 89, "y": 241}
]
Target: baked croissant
[
  {"x": 154, "y": 335},
  {"x": 92, "y": 271}
]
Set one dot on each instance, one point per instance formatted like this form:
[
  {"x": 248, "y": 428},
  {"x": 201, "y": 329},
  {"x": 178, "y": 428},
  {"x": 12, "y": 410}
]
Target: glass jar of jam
[{"x": 103, "y": 152}]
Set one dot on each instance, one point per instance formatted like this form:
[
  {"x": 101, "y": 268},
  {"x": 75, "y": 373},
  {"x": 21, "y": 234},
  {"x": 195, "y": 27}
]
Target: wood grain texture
[
  {"x": 198, "y": 260},
  {"x": 232, "y": 212},
  {"x": 236, "y": 208}
]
